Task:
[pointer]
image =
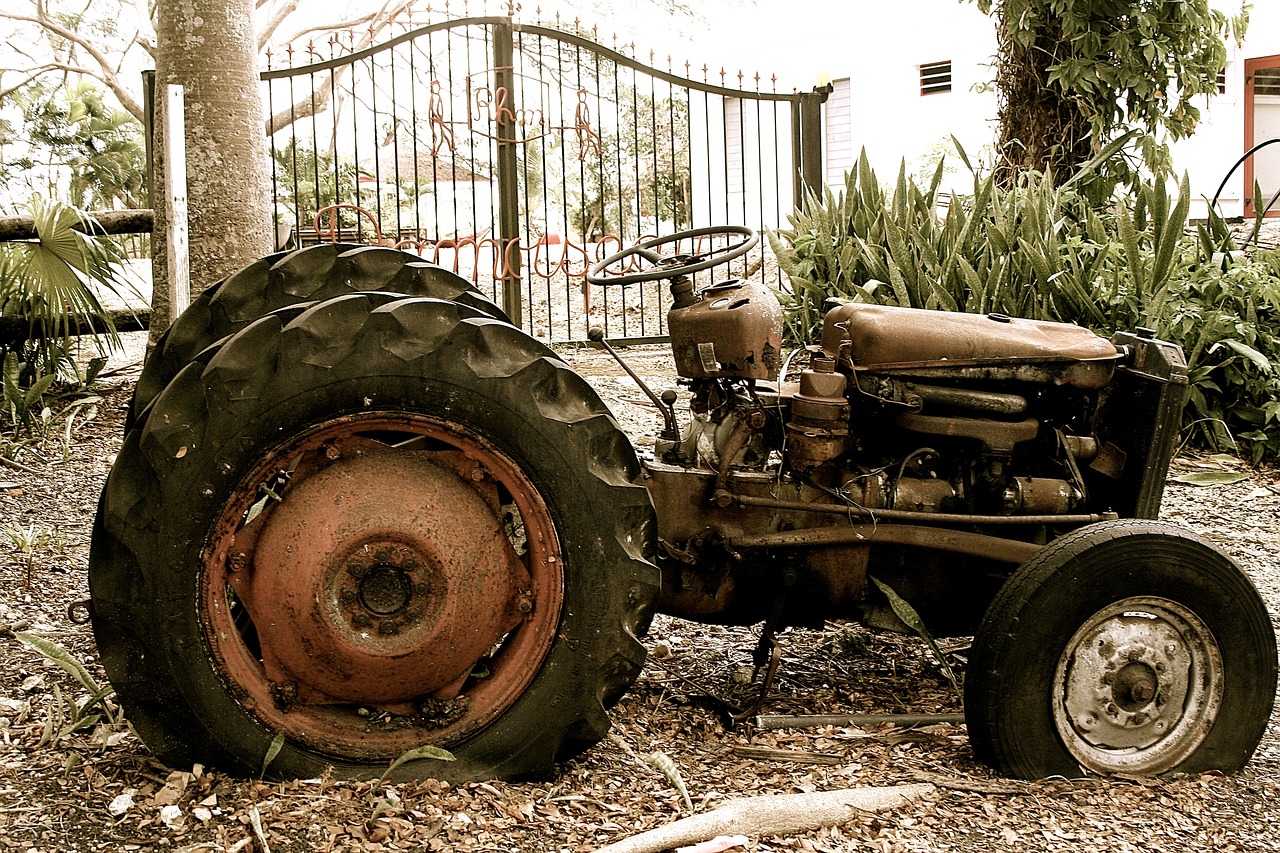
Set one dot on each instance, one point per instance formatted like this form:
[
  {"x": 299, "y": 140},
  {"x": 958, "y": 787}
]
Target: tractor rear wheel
[
  {"x": 1124, "y": 647},
  {"x": 370, "y": 529},
  {"x": 312, "y": 274}
]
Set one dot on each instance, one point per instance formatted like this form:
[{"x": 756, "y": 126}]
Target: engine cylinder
[{"x": 819, "y": 425}]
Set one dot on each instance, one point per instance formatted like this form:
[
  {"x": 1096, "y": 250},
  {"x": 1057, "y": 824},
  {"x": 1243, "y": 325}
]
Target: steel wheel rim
[
  {"x": 1138, "y": 687},
  {"x": 365, "y": 720}
]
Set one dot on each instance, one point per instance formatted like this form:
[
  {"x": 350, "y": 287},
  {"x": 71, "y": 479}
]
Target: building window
[
  {"x": 935, "y": 78},
  {"x": 1222, "y": 82},
  {"x": 1266, "y": 81}
]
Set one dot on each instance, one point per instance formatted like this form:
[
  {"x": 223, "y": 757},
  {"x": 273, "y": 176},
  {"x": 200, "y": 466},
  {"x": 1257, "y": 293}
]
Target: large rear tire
[
  {"x": 312, "y": 274},
  {"x": 367, "y": 530},
  {"x": 1124, "y": 647}
]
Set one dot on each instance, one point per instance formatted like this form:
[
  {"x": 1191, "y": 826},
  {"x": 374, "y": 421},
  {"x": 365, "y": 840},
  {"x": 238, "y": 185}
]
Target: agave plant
[{"x": 50, "y": 283}]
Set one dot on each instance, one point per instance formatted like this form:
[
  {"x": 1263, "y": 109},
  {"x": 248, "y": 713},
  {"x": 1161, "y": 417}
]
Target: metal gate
[{"x": 518, "y": 155}]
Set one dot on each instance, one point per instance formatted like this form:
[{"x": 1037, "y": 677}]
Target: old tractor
[{"x": 357, "y": 511}]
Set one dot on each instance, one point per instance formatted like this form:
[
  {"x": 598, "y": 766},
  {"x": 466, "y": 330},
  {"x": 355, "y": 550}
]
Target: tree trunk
[
  {"x": 1042, "y": 128},
  {"x": 208, "y": 47}
]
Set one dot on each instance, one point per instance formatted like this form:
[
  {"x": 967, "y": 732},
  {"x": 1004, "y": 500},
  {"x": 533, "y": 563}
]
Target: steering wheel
[{"x": 674, "y": 266}]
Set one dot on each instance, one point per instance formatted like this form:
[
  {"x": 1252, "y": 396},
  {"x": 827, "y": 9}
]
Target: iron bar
[
  {"x": 634, "y": 173},
  {"x": 771, "y": 722},
  {"x": 931, "y": 517},
  {"x": 938, "y": 539}
]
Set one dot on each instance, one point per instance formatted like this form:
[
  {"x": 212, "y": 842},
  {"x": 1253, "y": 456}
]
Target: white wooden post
[{"x": 178, "y": 256}]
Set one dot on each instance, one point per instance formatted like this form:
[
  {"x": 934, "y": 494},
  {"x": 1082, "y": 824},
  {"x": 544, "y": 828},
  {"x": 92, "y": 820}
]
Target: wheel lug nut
[
  {"x": 412, "y": 615},
  {"x": 421, "y": 588},
  {"x": 347, "y": 597},
  {"x": 285, "y": 693},
  {"x": 388, "y": 626},
  {"x": 356, "y": 570},
  {"x": 382, "y": 555},
  {"x": 360, "y": 620}
]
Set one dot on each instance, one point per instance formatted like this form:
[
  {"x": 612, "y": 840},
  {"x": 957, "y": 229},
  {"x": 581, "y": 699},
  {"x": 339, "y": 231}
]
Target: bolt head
[
  {"x": 360, "y": 620},
  {"x": 388, "y": 626}
]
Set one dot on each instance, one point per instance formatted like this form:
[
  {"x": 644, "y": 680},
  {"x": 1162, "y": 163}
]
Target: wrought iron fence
[{"x": 518, "y": 155}]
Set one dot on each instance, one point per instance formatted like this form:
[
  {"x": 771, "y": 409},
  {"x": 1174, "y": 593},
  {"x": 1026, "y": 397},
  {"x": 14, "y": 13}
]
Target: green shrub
[
  {"x": 1042, "y": 251},
  {"x": 49, "y": 284}
]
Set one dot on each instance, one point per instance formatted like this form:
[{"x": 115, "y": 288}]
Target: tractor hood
[{"x": 917, "y": 342}]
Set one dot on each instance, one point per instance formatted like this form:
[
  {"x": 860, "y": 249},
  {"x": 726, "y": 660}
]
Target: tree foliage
[
  {"x": 73, "y": 133},
  {"x": 1073, "y": 75}
]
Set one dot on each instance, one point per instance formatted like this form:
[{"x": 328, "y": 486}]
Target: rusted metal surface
[
  {"x": 943, "y": 343},
  {"x": 382, "y": 582},
  {"x": 922, "y": 517},
  {"x": 362, "y": 589},
  {"x": 1141, "y": 686},
  {"x": 993, "y": 435},
  {"x": 819, "y": 424},
  {"x": 733, "y": 331},
  {"x": 939, "y": 538}
]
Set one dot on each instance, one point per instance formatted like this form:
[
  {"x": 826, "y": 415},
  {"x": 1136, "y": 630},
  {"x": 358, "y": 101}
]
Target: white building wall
[
  {"x": 887, "y": 114},
  {"x": 873, "y": 54},
  {"x": 1218, "y": 143}
]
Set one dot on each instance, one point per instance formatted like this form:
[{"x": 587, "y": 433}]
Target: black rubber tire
[
  {"x": 343, "y": 359},
  {"x": 312, "y": 274},
  {"x": 1036, "y": 634}
]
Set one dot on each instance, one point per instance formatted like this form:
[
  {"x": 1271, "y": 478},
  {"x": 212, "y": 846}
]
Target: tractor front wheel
[{"x": 1124, "y": 647}]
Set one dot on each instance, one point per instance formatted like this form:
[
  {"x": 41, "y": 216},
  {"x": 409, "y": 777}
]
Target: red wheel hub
[
  {"x": 380, "y": 582},
  {"x": 380, "y": 579}
]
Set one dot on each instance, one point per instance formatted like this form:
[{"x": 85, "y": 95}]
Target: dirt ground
[{"x": 68, "y": 785}]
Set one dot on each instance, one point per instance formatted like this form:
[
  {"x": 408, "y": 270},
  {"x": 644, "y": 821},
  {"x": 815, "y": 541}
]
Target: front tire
[
  {"x": 370, "y": 529},
  {"x": 1124, "y": 647}
]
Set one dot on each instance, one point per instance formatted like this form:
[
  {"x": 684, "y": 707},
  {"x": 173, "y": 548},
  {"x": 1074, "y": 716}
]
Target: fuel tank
[
  {"x": 733, "y": 331},
  {"x": 922, "y": 343}
]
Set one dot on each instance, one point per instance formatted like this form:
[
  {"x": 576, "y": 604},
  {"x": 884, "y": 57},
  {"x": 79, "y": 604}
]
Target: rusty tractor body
[{"x": 366, "y": 514}]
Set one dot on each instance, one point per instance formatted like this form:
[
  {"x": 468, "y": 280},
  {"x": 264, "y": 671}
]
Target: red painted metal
[{"x": 404, "y": 589}]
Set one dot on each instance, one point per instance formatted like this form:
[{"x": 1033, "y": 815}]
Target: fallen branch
[
  {"x": 780, "y": 814},
  {"x": 976, "y": 786},
  {"x": 809, "y": 721},
  {"x": 797, "y": 756},
  {"x": 17, "y": 466}
]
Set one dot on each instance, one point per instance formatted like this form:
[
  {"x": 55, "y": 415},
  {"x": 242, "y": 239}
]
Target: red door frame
[{"x": 1250, "y": 66}]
